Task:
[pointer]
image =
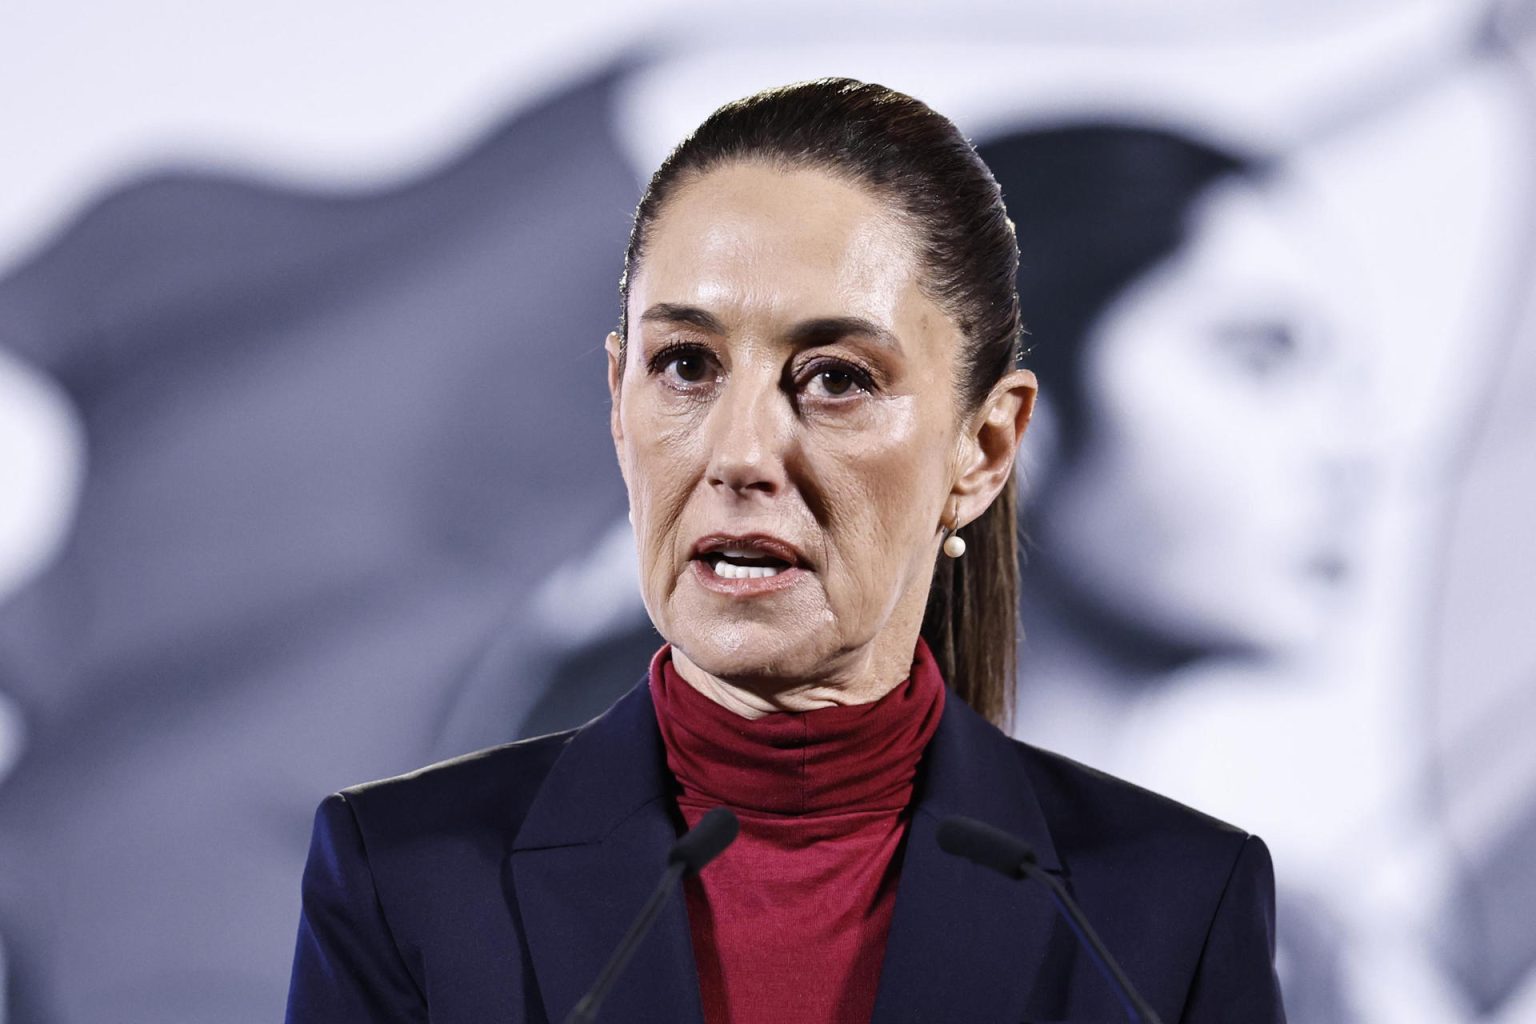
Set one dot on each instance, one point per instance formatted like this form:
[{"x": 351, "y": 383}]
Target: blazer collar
[
  {"x": 590, "y": 851},
  {"x": 964, "y": 943}
]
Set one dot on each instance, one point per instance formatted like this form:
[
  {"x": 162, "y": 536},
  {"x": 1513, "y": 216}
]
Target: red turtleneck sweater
[{"x": 789, "y": 923}]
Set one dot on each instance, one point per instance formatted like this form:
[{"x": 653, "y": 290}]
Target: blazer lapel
[
  {"x": 965, "y": 943},
  {"x": 591, "y": 849}
]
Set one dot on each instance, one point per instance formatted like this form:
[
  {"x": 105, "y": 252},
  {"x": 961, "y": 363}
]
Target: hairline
[{"x": 887, "y": 196}]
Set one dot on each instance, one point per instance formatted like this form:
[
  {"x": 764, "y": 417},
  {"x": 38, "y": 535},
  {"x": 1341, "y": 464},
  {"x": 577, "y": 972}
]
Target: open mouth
[
  {"x": 753, "y": 556},
  {"x": 743, "y": 565}
]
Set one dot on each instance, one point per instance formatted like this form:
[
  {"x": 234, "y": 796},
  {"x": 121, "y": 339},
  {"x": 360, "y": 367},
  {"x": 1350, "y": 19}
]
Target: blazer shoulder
[
  {"x": 1187, "y": 897},
  {"x": 1089, "y": 810},
  {"x": 493, "y": 787}
]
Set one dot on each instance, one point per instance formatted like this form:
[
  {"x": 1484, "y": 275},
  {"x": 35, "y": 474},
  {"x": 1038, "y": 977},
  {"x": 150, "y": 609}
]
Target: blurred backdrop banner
[{"x": 305, "y": 475}]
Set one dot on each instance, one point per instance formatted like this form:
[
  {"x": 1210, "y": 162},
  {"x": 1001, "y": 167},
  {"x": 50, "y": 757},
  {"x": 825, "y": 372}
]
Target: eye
[
  {"x": 683, "y": 363},
  {"x": 1261, "y": 348},
  {"x": 689, "y": 366},
  {"x": 834, "y": 379},
  {"x": 834, "y": 382}
]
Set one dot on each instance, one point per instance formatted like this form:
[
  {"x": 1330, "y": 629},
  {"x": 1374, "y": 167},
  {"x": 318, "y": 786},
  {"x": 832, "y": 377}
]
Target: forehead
[
  {"x": 1241, "y": 231},
  {"x": 751, "y": 239}
]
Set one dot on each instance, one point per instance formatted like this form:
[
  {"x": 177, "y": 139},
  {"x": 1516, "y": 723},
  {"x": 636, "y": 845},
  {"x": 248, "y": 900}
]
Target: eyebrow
[
  {"x": 672, "y": 313},
  {"x": 825, "y": 330},
  {"x": 819, "y": 331}
]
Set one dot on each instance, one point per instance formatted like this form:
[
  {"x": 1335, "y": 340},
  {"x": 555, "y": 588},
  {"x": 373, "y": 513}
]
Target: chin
[
  {"x": 743, "y": 650},
  {"x": 1280, "y": 629},
  {"x": 781, "y": 636}
]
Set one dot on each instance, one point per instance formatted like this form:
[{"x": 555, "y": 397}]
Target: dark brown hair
[{"x": 913, "y": 158}]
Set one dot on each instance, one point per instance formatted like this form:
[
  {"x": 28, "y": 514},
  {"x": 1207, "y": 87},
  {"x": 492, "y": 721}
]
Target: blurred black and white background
[{"x": 305, "y": 476}]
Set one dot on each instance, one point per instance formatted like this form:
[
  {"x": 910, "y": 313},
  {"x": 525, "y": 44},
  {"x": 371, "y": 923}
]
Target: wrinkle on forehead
[{"x": 756, "y": 239}]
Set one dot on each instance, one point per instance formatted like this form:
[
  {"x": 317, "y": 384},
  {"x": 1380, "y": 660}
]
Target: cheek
[
  {"x": 663, "y": 460},
  {"x": 882, "y": 492},
  {"x": 1191, "y": 459}
]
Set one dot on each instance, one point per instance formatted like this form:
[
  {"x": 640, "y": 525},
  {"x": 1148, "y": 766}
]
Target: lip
[
  {"x": 764, "y": 542},
  {"x": 748, "y": 587},
  {"x": 768, "y": 544}
]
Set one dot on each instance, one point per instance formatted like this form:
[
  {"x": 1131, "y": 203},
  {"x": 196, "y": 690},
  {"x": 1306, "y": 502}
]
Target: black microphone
[
  {"x": 696, "y": 848},
  {"x": 705, "y": 841},
  {"x": 993, "y": 848}
]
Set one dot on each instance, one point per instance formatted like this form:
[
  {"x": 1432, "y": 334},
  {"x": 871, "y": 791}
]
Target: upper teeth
[
  {"x": 739, "y": 553},
  {"x": 732, "y": 571}
]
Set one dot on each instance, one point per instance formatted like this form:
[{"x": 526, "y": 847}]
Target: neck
[{"x": 870, "y": 677}]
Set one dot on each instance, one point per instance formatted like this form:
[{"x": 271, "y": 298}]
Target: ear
[
  {"x": 615, "y": 383},
  {"x": 990, "y": 444}
]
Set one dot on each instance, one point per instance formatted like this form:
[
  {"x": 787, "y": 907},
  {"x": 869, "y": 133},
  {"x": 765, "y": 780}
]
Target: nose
[
  {"x": 748, "y": 432},
  {"x": 1349, "y": 475},
  {"x": 1344, "y": 453}
]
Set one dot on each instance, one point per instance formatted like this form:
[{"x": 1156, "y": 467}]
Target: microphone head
[
  {"x": 982, "y": 844},
  {"x": 705, "y": 841}
]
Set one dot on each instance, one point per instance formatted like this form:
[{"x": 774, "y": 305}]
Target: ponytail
[{"x": 971, "y": 623}]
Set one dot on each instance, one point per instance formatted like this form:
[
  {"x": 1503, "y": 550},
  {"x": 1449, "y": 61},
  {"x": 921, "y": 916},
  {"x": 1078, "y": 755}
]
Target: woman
[
  {"x": 1206, "y": 516},
  {"x": 814, "y": 390},
  {"x": 1190, "y": 541}
]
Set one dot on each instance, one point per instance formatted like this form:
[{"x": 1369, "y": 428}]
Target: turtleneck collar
[{"x": 826, "y": 761}]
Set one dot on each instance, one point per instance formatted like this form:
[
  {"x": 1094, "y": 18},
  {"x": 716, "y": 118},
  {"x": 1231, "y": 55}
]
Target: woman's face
[
  {"x": 1206, "y": 505},
  {"x": 787, "y": 424}
]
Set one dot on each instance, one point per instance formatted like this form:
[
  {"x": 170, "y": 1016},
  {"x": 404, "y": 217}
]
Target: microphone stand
[
  {"x": 586, "y": 1011},
  {"x": 696, "y": 848},
  {"x": 1008, "y": 855}
]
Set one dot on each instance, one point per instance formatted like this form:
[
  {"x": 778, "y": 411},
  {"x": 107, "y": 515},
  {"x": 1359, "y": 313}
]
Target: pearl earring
[{"x": 954, "y": 545}]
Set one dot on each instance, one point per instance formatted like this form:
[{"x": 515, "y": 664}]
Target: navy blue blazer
[{"x": 492, "y": 888}]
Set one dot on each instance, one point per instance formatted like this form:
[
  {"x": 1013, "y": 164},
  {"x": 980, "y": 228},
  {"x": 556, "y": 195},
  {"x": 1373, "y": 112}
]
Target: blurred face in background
[
  {"x": 786, "y": 379},
  {"x": 1204, "y": 505}
]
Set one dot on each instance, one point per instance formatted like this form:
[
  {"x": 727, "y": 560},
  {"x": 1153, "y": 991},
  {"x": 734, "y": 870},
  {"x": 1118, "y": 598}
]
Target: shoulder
[
  {"x": 1087, "y": 808},
  {"x": 481, "y": 803},
  {"x": 487, "y": 789},
  {"x": 1087, "y": 817},
  {"x": 1142, "y": 854},
  {"x": 1187, "y": 898},
  {"x": 1143, "y": 864}
]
